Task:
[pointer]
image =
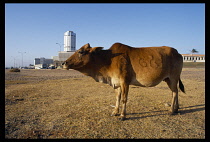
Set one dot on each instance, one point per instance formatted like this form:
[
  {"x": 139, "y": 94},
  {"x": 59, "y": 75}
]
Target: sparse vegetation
[{"x": 14, "y": 70}]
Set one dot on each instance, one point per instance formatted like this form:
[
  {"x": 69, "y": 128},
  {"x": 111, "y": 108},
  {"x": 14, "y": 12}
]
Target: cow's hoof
[
  {"x": 176, "y": 110},
  {"x": 114, "y": 114},
  {"x": 122, "y": 118},
  {"x": 173, "y": 113}
]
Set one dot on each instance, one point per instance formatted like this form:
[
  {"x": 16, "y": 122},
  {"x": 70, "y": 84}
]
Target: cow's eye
[
  {"x": 64, "y": 63},
  {"x": 81, "y": 52}
]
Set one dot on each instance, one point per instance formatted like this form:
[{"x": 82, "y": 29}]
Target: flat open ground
[{"x": 66, "y": 104}]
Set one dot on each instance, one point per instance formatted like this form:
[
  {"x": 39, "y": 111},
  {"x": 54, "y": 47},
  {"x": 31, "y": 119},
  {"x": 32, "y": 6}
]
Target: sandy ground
[{"x": 41, "y": 104}]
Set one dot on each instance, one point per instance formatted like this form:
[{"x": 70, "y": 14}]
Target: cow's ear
[{"x": 96, "y": 49}]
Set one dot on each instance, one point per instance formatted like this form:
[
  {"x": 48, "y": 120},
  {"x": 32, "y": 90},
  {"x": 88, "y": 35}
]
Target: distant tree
[{"x": 193, "y": 51}]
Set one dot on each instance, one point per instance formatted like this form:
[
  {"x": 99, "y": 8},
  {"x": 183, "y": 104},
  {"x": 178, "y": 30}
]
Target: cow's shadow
[{"x": 182, "y": 111}]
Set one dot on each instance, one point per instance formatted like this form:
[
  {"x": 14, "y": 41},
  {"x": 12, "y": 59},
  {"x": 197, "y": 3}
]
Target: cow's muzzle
[{"x": 64, "y": 63}]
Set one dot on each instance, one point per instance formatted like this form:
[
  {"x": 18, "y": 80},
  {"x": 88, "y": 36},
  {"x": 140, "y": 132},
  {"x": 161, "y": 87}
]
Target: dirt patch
[{"x": 66, "y": 104}]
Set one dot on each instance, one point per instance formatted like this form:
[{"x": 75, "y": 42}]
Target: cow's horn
[{"x": 87, "y": 45}]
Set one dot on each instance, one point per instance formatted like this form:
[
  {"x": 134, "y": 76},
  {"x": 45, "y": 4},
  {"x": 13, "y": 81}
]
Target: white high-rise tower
[{"x": 69, "y": 41}]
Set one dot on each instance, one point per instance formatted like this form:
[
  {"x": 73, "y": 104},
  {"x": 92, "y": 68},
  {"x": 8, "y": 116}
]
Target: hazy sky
[{"x": 36, "y": 28}]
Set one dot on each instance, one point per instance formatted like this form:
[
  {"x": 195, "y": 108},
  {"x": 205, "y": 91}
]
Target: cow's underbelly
[
  {"x": 114, "y": 81},
  {"x": 146, "y": 82},
  {"x": 143, "y": 81},
  {"x": 149, "y": 77}
]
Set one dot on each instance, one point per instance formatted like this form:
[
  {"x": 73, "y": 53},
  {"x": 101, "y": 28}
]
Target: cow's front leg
[
  {"x": 118, "y": 97},
  {"x": 124, "y": 93}
]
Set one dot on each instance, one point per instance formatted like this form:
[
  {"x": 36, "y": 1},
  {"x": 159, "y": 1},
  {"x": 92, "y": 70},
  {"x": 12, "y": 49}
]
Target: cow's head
[{"x": 81, "y": 58}]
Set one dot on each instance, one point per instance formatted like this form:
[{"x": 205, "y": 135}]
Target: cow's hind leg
[
  {"x": 118, "y": 97},
  {"x": 124, "y": 94},
  {"x": 174, "y": 104},
  {"x": 172, "y": 84}
]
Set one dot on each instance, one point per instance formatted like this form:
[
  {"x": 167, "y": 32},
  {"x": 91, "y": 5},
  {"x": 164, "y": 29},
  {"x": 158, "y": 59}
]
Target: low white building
[
  {"x": 42, "y": 62},
  {"x": 40, "y": 66},
  {"x": 193, "y": 57}
]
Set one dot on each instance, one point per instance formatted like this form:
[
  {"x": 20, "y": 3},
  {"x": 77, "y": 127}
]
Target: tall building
[
  {"x": 69, "y": 41},
  {"x": 69, "y": 48}
]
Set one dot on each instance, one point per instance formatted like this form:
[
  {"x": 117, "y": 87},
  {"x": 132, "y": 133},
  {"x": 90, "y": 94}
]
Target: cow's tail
[{"x": 181, "y": 86}]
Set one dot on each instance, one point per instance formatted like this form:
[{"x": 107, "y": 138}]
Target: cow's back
[{"x": 149, "y": 65}]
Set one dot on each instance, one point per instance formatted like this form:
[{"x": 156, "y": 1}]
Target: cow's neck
[{"x": 98, "y": 69}]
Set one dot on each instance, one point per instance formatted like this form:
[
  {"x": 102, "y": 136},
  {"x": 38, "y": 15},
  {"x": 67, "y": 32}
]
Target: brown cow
[{"x": 122, "y": 65}]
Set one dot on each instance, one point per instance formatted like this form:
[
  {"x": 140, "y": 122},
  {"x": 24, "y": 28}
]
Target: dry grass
[
  {"x": 65, "y": 104},
  {"x": 194, "y": 64}
]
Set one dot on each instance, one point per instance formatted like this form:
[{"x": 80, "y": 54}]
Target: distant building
[
  {"x": 63, "y": 56},
  {"x": 69, "y": 49},
  {"x": 36, "y": 61},
  {"x": 55, "y": 58},
  {"x": 69, "y": 41},
  {"x": 42, "y": 62},
  {"x": 41, "y": 66},
  {"x": 193, "y": 57}
]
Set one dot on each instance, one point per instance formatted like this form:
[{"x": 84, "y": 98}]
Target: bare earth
[{"x": 65, "y": 104}]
